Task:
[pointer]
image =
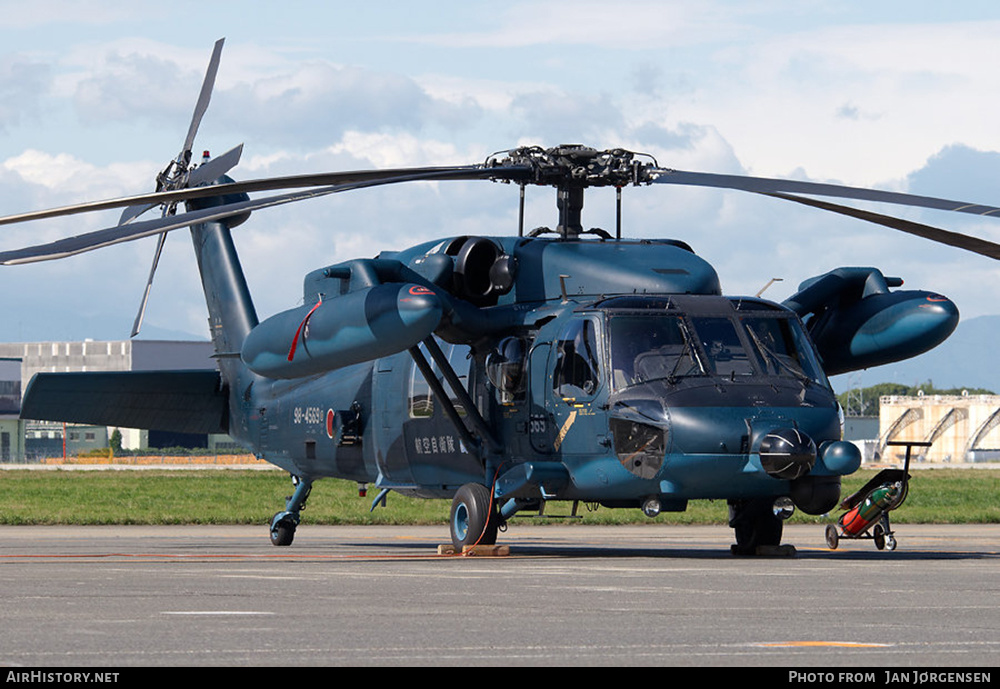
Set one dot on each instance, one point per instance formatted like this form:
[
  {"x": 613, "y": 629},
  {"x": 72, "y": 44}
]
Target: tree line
[{"x": 865, "y": 401}]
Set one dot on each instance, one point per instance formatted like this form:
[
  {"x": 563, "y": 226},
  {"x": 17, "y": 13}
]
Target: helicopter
[{"x": 504, "y": 373}]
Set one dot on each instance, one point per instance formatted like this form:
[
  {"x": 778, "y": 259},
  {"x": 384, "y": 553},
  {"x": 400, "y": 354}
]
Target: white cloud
[
  {"x": 631, "y": 25},
  {"x": 775, "y": 88}
]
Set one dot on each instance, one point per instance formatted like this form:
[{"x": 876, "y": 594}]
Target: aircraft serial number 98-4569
[{"x": 309, "y": 415}]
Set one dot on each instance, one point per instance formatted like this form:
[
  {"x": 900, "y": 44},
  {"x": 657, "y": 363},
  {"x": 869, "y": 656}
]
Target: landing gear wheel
[
  {"x": 283, "y": 523},
  {"x": 474, "y": 520},
  {"x": 890, "y": 542},
  {"x": 282, "y": 531},
  {"x": 756, "y": 527},
  {"x": 878, "y": 535},
  {"x": 832, "y": 539}
]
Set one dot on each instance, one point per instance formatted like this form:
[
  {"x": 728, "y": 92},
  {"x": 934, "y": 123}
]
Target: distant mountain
[
  {"x": 153, "y": 332},
  {"x": 78, "y": 330},
  {"x": 970, "y": 358}
]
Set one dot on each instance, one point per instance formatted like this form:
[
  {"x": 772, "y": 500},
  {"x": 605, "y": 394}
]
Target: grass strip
[{"x": 234, "y": 496}]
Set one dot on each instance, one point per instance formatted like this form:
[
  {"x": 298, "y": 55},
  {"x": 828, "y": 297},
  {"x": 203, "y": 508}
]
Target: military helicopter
[{"x": 504, "y": 373}]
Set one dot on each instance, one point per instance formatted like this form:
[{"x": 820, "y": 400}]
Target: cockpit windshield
[
  {"x": 669, "y": 346},
  {"x": 783, "y": 347},
  {"x": 645, "y": 348},
  {"x": 722, "y": 346}
]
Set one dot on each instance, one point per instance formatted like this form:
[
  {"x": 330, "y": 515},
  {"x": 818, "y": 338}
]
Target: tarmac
[{"x": 564, "y": 595}]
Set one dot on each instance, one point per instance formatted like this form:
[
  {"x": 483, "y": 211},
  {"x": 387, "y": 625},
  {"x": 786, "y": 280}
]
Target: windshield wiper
[
  {"x": 686, "y": 351},
  {"x": 773, "y": 356}
]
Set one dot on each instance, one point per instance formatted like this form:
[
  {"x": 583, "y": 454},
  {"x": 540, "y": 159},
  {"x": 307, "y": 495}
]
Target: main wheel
[
  {"x": 754, "y": 525},
  {"x": 474, "y": 519}
]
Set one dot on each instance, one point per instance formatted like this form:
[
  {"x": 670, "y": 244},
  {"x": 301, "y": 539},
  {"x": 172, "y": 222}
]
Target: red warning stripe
[{"x": 295, "y": 340}]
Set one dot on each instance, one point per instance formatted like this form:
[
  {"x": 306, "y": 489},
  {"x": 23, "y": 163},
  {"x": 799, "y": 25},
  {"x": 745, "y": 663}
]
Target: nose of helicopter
[{"x": 787, "y": 453}]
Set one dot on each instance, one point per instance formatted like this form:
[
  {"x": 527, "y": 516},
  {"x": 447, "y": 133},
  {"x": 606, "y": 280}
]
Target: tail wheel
[
  {"x": 474, "y": 520},
  {"x": 282, "y": 531}
]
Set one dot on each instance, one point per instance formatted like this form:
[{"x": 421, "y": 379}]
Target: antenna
[{"x": 769, "y": 283}]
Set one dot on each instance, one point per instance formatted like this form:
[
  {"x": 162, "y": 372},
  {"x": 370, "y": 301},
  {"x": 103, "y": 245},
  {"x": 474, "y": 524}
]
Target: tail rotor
[{"x": 181, "y": 174}]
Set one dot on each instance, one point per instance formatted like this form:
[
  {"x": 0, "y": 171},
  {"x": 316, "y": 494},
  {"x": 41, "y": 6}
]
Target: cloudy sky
[{"x": 95, "y": 98}]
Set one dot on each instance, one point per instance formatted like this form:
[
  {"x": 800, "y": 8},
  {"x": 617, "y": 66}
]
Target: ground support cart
[{"x": 867, "y": 510}]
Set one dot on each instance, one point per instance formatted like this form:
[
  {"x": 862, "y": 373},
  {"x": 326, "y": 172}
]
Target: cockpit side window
[{"x": 577, "y": 369}]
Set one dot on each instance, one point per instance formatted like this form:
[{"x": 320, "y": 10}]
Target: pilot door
[{"x": 567, "y": 386}]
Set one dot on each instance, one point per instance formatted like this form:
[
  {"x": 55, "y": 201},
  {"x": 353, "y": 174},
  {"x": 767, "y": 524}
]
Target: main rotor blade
[
  {"x": 764, "y": 185},
  {"x": 203, "y": 174},
  {"x": 71, "y": 246},
  {"x": 366, "y": 177},
  {"x": 961, "y": 241},
  {"x": 203, "y": 99}
]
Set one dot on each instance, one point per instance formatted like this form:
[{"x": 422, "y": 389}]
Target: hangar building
[{"x": 19, "y": 361}]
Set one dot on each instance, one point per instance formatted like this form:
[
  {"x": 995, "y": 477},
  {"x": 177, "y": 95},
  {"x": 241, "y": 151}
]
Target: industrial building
[
  {"x": 22, "y": 440},
  {"x": 960, "y": 428}
]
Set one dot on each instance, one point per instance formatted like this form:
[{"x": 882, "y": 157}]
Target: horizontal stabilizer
[{"x": 175, "y": 401}]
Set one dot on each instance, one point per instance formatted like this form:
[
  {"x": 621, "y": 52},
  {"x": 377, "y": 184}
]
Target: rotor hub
[
  {"x": 574, "y": 165},
  {"x": 570, "y": 169}
]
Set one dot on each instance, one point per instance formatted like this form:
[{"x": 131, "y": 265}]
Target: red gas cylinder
[{"x": 871, "y": 508}]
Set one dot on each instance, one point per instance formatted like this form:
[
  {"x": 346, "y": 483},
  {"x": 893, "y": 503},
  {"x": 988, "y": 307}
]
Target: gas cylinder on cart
[{"x": 871, "y": 508}]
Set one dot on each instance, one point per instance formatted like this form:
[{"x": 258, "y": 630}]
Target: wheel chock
[
  {"x": 764, "y": 551},
  {"x": 476, "y": 550}
]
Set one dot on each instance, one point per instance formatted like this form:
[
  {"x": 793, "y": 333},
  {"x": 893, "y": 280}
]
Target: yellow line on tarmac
[{"x": 804, "y": 644}]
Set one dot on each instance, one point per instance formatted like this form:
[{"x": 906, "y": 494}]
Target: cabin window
[
  {"x": 421, "y": 402},
  {"x": 460, "y": 359},
  {"x": 421, "y": 399}
]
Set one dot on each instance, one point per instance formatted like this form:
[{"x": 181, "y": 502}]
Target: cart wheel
[
  {"x": 879, "y": 536},
  {"x": 831, "y": 536}
]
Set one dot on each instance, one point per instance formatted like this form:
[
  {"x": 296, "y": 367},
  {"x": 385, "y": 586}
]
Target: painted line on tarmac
[{"x": 815, "y": 644}]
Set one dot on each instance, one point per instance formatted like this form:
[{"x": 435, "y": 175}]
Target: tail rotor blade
[
  {"x": 203, "y": 99},
  {"x": 137, "y": 324},
  {"x": 216, "y": 167},
  {"x": 133, "y": 212}
]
